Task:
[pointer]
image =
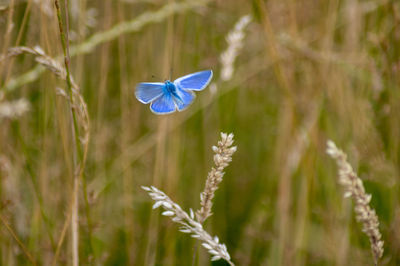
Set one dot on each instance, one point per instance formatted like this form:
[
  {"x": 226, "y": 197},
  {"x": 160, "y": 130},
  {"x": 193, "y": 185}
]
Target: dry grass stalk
[
  {"x": 78, "y": 156},
  {"x": 14, "y": 235},
  {"x": 79, "y": 108},
  {"x": 354, "y": 187},
  {"x": 188, "y": 224},
  {"x": 222, "y": 158}
]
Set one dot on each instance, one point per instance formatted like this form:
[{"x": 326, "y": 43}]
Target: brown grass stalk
[
  {"x": 81, "y": 134},
  {"x": 14, "y": 235},
  {"x": 78, "y": 155},
  {"x": 78, "y": 108}
]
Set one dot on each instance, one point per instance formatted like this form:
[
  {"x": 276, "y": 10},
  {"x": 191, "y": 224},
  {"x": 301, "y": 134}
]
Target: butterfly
[{"x": 167, "y": 97}]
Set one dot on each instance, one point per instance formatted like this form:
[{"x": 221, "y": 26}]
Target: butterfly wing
[
  {"x": 147, "y": 92},
  {"x": 184, "y": 99},
  {"x": 165, "y": 101},
  {"x": 195, "y": 81},
  {"x": 164, "y": 104}
]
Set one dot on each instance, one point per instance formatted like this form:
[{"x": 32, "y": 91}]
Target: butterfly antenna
[{"x": 170, "y": 74}]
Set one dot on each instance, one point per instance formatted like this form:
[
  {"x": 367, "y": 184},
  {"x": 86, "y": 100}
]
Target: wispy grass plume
[
  {"x": 235, "y": 43},
  {"x": 354, "y": 188},
  {"x": 227, "y": 58},
  {"x": 223, "y": 156},
  {"x": 188, "y": 224}
]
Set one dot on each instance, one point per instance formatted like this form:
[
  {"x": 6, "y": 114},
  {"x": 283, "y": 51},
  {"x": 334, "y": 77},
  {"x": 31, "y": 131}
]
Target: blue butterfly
[{"x": 167, "y": 97}]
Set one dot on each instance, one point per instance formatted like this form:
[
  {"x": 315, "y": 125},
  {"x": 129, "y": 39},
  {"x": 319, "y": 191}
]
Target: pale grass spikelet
[
  {"x": 77, "y": 102},
  {"x": 188, "y": 224},
  {"x": 40, "y": 57},
  {"x": 235, "y": 43},
  {"x": 223, "y": 156},
  {"x": 354, "y": 187},
  {"x": 13, "y": 109}
]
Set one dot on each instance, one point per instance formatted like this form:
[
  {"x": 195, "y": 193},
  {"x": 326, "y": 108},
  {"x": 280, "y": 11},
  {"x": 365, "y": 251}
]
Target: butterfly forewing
[
  {"x": 147, "y": 92},
  {"x": 196, "y": 81}
]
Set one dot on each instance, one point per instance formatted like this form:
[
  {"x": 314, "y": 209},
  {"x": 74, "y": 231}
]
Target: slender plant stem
[
  {"x": 62, "y": 236},
  {"x": 67, "y": 220},
  {"x": 195, "y": 253},
  {"x": 82, "y": 157},
  {"x": 78, "y": 155},
  {"x": 65, "y": 47},
  {"x": 75, "y": 225},
  {"x": 24, "y": 249}
]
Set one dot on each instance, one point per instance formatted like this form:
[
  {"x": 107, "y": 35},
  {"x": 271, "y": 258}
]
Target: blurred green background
[{"x": 307, "y": 71}]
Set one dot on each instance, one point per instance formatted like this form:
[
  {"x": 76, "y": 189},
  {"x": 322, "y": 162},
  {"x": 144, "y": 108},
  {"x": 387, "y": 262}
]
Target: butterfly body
[
  {"x": 170, "y": 96},
  {"x": 170, "y": 88}
]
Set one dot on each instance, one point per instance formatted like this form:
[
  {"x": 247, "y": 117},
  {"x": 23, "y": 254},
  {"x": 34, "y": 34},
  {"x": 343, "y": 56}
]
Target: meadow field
[{"x": 310, "y": 91}]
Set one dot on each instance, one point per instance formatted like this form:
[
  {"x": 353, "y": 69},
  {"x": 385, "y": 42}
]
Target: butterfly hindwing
[
  {"x": 184, "y": 99},
  {"x": 164, "y": 104},
  {"x": 147, "y": 92},
  {"x": 195, "y": 81}
]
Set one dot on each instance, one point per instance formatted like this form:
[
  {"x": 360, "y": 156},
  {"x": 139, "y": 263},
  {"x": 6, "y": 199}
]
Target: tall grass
[{"x": 302, "y": 72}]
